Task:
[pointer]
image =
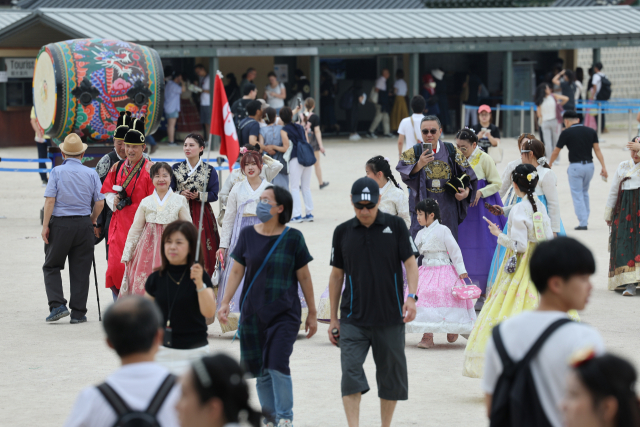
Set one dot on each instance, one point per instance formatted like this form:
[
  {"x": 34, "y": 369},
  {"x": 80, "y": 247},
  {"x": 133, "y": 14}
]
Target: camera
[
  {"x": 193, "y": 190},
  {"x": 124, "y": 200}
]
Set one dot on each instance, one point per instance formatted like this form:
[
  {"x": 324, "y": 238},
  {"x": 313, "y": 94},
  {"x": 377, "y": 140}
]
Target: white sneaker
[
  {"x": 285, "y": 423},
  {"x": 355, "y": 137},
  {"x": 630, "y": 290}
]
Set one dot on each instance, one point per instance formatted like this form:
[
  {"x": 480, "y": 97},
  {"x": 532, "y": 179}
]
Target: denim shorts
[
  {"x": 387, "y": 346},
  {"x": 173, "y": 115}
]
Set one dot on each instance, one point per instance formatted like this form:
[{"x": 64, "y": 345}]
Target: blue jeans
[
  {"x": 275, "y": 391},
  {"x": 579, "y": 179}
]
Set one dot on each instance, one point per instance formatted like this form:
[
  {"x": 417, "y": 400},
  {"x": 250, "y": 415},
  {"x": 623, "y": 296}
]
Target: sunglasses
[
  {"x": 360, "y": 206},
  {"x": 431, "y": 131}
]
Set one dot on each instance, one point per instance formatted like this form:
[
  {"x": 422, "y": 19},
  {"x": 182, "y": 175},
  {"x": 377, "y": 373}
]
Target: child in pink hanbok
[
  {"x": 442, "y": 268},
  {"x": 141, "y": 253}
]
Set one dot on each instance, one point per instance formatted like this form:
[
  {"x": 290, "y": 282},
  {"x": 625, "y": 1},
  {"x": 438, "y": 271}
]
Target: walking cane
[{"x": 95, "y": 276}]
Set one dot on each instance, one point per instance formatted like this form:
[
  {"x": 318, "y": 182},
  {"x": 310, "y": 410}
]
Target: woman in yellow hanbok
[{"x": 513, "y": 291}]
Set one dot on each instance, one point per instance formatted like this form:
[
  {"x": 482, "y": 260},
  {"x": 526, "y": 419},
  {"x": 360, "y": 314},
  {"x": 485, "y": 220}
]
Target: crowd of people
[{"x": 400, "y": 265}]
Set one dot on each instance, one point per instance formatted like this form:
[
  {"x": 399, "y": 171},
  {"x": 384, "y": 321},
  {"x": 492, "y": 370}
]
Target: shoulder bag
[{"x": 306, "y": 157}]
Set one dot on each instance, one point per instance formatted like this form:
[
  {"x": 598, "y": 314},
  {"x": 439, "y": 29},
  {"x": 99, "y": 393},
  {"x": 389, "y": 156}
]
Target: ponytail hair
[
  {"x": 429, "y": 206},
  {"x": 526, "y": 178},
  {"x": 222, "y": 377},
  {"x": 380, "y": 164},
  {"x": 538, "y": 151}
]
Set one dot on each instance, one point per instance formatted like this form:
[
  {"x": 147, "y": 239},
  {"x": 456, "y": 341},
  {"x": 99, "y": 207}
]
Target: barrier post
[
  {"x": 522, "y": 118},
  {"x": 599, "y": 121},
  {"x": 462, "y": 116},
  {"x": 629, "y": 125},
  {"x": 498, "y": 116},
  {"x": 532, "y": 123}
]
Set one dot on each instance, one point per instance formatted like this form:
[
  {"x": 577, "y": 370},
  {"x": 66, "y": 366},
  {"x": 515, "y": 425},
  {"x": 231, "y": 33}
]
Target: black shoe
[
  {"x": 324, "y": 184},
  {"x": 81, "y": 320},
  {"x": 581, "y": 227}
]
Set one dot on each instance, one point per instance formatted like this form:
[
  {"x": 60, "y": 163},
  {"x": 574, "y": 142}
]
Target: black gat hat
[
  {"x": 123, "y": 125},
  {"x": 135, "y": 135}
]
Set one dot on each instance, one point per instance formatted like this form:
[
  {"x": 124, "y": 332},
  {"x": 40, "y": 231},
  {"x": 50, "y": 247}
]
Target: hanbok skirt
[
  {"x": 437, "y": 310},
  {"x": 624, "y": 243},
  {"x": 146, "y": 258},
  {"x": 210, "y": 236},
  {"x": 241, "y": 222},
  {"x": 476, "y": 241},
  {"x": 498, "y": 255},
  {"x": 512, "y": 294},
  {"x": 399, "y": 111}
]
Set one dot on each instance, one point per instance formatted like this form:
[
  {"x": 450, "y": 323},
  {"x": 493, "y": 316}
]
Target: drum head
[{"x": 44, "y": 90}]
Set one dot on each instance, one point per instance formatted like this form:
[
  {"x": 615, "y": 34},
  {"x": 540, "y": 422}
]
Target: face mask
[{"x": 263, "y": 212}]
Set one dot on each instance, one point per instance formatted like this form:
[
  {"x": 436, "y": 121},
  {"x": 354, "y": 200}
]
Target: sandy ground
[{"x": 44, "y": 366}]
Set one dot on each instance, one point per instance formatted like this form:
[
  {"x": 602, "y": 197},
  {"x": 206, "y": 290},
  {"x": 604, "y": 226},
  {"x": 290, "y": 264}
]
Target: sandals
[{"x": 427, "y": 341}]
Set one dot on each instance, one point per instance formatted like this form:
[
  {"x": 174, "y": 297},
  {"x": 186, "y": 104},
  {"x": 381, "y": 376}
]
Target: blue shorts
[{"x": 173, "y": 115}]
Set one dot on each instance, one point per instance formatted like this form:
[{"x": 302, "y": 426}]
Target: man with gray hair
[
  {"x": 134, "y": 328},
  {"x": 438, "y": 170}
]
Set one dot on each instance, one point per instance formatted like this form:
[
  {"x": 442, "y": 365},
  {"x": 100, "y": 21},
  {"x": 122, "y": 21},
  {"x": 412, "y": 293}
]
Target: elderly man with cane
[{"x": 68, "y": 230}]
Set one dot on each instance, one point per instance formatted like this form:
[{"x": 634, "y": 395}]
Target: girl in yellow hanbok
[{"x": 513, "y": 291}]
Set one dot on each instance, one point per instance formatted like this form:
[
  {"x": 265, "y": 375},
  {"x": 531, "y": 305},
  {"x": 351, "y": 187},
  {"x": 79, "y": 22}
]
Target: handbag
[
  {"x": 466, "y": 292},
  {"x": 264, "y": 263},
  {"x": 373, "y": 95},
  {"x": 215, "y": 278}
]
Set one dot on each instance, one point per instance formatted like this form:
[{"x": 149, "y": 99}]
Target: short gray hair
[{"x": 431, "y": 119}]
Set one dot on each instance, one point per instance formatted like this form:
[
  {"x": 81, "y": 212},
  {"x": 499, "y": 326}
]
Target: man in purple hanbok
[{"x": 427, "y": 175}]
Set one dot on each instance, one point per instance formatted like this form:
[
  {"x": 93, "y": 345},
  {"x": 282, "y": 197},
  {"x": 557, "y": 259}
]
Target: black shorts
[{"x": 387, "y": 344}]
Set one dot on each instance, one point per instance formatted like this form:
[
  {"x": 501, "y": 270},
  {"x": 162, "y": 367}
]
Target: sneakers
[
  {"x": 388, "y": 135},
  {"x": 581, "y": 227},
  {"x": 81, "y": 320},
  {"x": 324, "y": 184},
  {"x": 285, "y": 423},
  {"x": 297, "y": 219},
  {"x": 57, "y": 314},
  {"x": 308, "y": 218},
  {"x": 371, "y": 135},
  {"x": 354, "y": 137},
  {"x": 630, "y": 290},
  {"x": 172, "y": 144}
]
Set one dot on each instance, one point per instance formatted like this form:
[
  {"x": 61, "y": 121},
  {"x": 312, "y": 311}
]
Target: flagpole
[{"x": 204, "y": 199}]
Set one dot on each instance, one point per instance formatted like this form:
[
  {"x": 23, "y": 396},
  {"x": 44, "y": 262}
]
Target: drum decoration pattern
[{"x": 82, "y": 85}]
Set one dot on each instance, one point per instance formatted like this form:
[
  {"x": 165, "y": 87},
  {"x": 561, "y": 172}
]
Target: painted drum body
[{"x": 82, "y": 85}]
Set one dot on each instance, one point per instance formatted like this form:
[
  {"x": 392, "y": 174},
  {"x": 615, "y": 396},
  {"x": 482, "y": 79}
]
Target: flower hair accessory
[
  {"x": 470, "y": 129},
  {"x": 582, "y": 356},
  {"x": 532, "y": 176},
  {"x": 387, "y": 160},
  {"x": 542, "y": 161},
  {"x": 243, "y": 150}
]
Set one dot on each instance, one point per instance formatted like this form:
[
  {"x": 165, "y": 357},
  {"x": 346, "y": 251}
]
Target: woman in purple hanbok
[
  {"x": 240, "y": 213},
  {"x": 474, "y": 238}
]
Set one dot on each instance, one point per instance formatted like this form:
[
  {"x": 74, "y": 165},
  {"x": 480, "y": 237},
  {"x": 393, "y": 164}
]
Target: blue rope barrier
[
  {"x": 4, "y": 159},
  {"x": 218, "y": 168}
]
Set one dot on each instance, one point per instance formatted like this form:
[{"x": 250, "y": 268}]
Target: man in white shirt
[
  {"x": 561, "y": 270},
  {"x": 134, "y": 330},
  {"x": 205, "y": 97},
  {"x": 409, "y": 133},
  {"x": 383, "y": 106}
]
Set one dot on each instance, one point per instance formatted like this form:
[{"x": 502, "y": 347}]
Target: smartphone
[
  {"x": 428, "y": 147},
  {"x": 491, "y": 209},
  {"x": 299, "y": 102}
]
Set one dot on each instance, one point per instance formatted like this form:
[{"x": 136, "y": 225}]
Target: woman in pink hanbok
[
  {"x": 437, "y": 310},
  {"x": 141, "y": 253}
]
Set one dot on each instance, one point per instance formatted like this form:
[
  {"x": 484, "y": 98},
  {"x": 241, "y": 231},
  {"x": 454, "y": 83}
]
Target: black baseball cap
[{"x": 365, "y": 190}]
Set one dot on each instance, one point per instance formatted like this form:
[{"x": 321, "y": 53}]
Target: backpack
[
  {"x": 346, "y": 100},
  {"x": 515, "y": 399},
  {"x": 127, "y": 417},
  {"x": 605, "y": 89},
  {"x": 305, "y": 155},
  {"x": 239, "y": 111}
]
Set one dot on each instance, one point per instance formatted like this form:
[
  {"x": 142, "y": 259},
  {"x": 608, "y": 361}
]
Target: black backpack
[
  {"x": 239, "y": 111},
  {"x": 605, "y": 89},
  {"x": 515, "y": 401},
  {"x": 127, "y": 417}
]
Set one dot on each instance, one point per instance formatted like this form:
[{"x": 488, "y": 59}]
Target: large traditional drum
[{"x": 82, "y": 85}]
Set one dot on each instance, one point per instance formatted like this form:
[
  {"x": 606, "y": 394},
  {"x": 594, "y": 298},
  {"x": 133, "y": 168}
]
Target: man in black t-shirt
[
  {"x": 580, "y": 140},
  {"x": 488, "y": 133},
  {"x": 368, "y": 251},
  {"x": 249, "y": 127},
  {"x": 239, "y": 108}
]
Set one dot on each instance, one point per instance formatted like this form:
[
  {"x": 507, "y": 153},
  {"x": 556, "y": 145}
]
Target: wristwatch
[
  {"x": 414, "y": 296},
  {"x": 198, "y": 290}
]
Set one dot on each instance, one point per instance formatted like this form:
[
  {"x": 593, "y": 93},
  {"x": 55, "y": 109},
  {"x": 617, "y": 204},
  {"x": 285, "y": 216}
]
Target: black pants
[
  {"x": 70, "y": 238},
  {"x": 42, "y": 154},
  {"x": 352, "y": 118}
]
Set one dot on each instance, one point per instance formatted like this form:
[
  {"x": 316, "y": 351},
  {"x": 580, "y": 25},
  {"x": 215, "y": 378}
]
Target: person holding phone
[{"x": 438, "y": 171}]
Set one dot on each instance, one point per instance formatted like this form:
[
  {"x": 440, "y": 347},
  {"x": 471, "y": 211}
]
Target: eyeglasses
[
  {"x": 463, "y": 149},
  {"x": 431, "y": 131},
  {"x": 360, "y": 206}
]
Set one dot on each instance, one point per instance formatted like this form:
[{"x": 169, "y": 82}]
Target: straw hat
[{"x": 73, "y": 145}]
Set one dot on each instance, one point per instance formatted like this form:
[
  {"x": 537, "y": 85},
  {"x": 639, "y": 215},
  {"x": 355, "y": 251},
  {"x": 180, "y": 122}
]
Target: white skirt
[{"x": 178, "y": 361}]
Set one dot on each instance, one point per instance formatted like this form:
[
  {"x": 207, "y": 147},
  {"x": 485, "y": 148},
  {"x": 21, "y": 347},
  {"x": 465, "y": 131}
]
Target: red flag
[{"x": 222, "y": 124}]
